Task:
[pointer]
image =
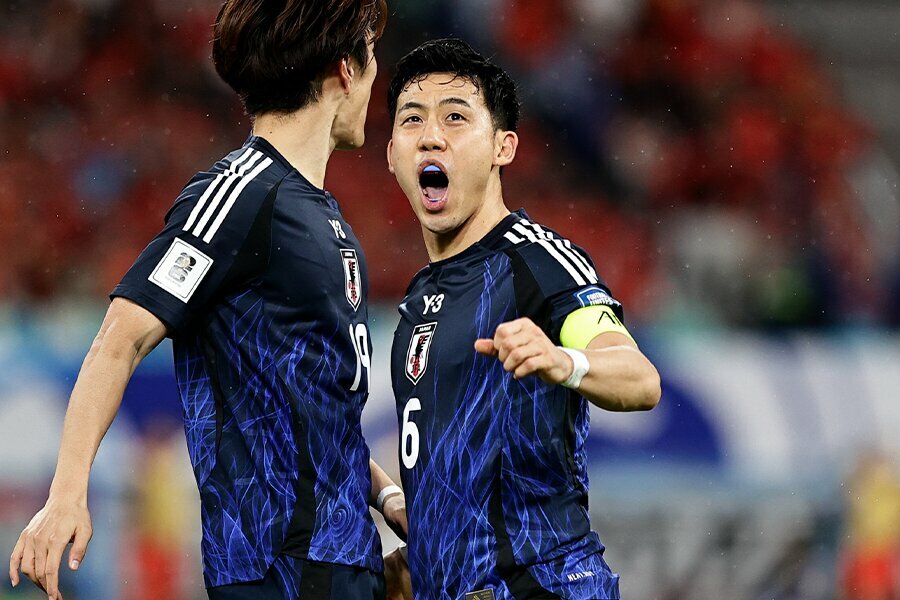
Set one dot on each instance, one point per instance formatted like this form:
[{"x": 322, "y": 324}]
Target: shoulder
[
  {"x": 552, "y": 260},
  {"x": 232, "y": 192}
]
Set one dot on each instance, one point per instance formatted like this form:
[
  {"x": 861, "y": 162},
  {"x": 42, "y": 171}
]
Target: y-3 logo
[
  {"x": 338, "y": 229},
  {"x": 433, "y": 303}
]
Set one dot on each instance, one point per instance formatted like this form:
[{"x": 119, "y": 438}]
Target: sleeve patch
[
  {"x": 594, "y": 296},
  {"x": 181, "y": 270}
]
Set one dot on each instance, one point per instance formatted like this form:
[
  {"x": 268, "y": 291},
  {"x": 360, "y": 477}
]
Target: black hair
[
  {"x": 275, "y": 53},
  {"x": 458, "y": 58}
]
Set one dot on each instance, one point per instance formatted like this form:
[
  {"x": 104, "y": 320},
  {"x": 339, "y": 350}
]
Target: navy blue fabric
[
  {"x": 269, "y": 360},
  {"x": 497, "y": 496},
  {"x": 296, "y": 579}
]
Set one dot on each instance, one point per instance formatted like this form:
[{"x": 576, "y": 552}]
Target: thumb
[
  {"x": 79, "y": 547},
  {"x": 485, "y": 347}
]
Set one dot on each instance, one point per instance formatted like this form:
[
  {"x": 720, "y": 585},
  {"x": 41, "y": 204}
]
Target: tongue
[{"x": 434, "y": 193}]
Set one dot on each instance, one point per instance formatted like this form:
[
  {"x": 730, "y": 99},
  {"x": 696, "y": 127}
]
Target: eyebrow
[{"x": 444, "y": 102}]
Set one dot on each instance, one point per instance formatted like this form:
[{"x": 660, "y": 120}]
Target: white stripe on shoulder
[
  {"x": 568, "y": 252},
  {"x": 584, "y": 261},
  {"x": 212, "y": 187},
  {"x": 223, "y": 189},
  {"x": 513, "y": 237},
  {"x": 522, "y": 228},
  {"x": 233, "y": 198}
]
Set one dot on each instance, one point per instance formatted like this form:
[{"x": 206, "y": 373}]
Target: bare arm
[
  {"x": 394, "y": 507},
  {"x": 127, "y": 335},
  {"x": 620, "y": 378}
]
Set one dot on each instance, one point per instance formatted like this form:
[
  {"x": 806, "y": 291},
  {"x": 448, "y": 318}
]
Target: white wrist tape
[
  {"x": 581, "y": 366},
  {"x": 384, "y": 493}
]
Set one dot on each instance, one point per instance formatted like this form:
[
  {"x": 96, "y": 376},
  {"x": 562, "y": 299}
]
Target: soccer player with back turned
[
  {"x": 503, "y": 339},
  {"x": 261, "y": 284}
]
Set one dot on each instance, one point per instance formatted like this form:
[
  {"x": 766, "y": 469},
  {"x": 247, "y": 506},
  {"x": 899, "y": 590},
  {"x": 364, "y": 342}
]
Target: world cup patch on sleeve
[
  {"x": 486, "y": 594},
  {"x": 181, "y": 270},
  {"x": 594, "y": 296}
]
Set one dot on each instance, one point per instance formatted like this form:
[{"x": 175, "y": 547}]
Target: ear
[
  {"x": 505, "y": 144},
  {"x": 345, "y": 75},
  {"x": 390, "y": 147}
]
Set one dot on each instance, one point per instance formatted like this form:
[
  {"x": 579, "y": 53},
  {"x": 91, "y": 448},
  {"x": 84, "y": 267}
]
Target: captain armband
[{"x": 584, "y": 324}]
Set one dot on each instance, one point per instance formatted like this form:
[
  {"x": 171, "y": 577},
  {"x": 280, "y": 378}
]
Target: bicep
[
  {"x": 594, "y": 327},
  {"x": 610, "y": 339},
  {"x": 129, "y": 327}
]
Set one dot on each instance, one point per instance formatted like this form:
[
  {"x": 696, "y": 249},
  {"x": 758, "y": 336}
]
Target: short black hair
[
  {"x": 275, "y": 53},
  {"x": 454, "y": 56}
]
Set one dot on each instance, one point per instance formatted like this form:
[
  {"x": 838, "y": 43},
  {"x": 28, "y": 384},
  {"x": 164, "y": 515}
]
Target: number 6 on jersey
[{"x": 409, "y": 436}]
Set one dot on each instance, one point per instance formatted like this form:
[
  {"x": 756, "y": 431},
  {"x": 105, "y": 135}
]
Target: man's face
[
  {"x": 350, "y": 123},
  {"x": 443, "y": 149}
]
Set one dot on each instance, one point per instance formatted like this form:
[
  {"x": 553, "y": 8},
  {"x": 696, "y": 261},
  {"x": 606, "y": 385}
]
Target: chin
[
  {"x": 351, "y": 143},
  {"x": 439, "y": 224}
]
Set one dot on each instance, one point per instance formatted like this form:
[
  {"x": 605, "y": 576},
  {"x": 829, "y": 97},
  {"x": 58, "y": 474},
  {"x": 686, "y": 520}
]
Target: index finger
[{"x": 15, "y": 560}]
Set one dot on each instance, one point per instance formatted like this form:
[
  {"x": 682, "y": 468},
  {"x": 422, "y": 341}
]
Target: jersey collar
[
  {"x": 491, "y": 242},
  {"x": 269, "y": 150}
]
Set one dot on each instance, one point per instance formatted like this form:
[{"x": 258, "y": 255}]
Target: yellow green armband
[{"x": 584, "y": 324}]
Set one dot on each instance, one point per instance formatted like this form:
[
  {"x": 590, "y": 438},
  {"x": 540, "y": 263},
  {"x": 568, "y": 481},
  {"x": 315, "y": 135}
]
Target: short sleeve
[
  {"x": 554, "y": 278},
  {"x": 209, "y": 241}
]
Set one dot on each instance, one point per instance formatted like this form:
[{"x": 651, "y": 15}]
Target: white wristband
[
  {"x": 581, "y": 365},
  {"x": 384, "y": 493}
]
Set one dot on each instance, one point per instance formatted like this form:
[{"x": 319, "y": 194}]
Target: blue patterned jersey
[
  {"x": 263, "y": 287},
  {"x": 494, "y": 468}
]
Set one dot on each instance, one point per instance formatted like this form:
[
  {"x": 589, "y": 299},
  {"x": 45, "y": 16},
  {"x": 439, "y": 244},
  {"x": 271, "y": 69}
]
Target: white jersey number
[
  {"x": 360, "y": 336},
  {"x": 409, "y": 436}
]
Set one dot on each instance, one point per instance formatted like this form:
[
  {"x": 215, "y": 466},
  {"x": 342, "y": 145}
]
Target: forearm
[
  {"x": 94, "y": 402},
  {"x": 620, "y": 379},
  {"x": 380, "y": 480},
  {"x": 127, "y": 335}
]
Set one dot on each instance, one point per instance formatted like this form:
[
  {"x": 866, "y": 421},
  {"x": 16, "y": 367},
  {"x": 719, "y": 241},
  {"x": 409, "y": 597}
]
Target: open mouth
[{"x": 434, "y": 183}]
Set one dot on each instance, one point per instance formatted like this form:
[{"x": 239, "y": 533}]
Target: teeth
[{"x": 432, "y": 169}]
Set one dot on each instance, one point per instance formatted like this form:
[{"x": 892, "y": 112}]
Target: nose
[{"x": 432, "y": 137}]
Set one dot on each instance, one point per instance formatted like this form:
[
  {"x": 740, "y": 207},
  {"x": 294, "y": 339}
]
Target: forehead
[{"x": 438, "y": 86}]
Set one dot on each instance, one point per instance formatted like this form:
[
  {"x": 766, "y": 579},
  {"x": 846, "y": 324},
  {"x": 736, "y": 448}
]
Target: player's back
[
  {"x": 493, "y": 467},
  {"x": 262, "y": 284}
]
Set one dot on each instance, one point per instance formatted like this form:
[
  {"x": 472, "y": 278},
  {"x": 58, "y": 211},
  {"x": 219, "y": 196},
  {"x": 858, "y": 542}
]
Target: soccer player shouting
[
  {"x": 261, "y": 284},
  {"x": 492, "y": 436}
]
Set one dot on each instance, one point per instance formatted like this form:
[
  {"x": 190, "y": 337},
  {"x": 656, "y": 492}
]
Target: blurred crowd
[{"x": 699, "y": 152}]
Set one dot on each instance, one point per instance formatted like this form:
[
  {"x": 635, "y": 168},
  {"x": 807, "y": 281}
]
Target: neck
[
  {"x": 491, "y": 210},
  {"x": 303, "y": 138}
]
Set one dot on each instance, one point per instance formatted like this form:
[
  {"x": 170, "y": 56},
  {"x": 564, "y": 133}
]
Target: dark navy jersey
[
  {"x": 494, "y": 468},
  {"x": 263, "y": 287}
]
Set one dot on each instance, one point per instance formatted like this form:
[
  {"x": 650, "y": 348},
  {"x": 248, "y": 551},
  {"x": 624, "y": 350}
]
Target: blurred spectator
[
  {"x": 697, "y": 151},
  {"x": 871, "y": 555}
]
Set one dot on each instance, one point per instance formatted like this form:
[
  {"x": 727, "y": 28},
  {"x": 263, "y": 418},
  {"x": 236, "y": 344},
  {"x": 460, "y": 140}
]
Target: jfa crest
[
  {"x": 352, "y": 279},
  {"x": 417, "y": 355}
]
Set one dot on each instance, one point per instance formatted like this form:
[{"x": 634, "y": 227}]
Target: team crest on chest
[
  {"x": 417, "y": 355},
  {"x": 352, "y": 278}
]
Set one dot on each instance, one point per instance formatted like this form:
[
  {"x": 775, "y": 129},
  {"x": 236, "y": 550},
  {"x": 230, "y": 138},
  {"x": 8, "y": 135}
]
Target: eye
[
  {"x": 411, "y": 119},
  {"x": 455, "y": 117}
]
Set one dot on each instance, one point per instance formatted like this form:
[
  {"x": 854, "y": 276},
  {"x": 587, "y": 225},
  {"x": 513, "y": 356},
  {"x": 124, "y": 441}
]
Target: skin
[
  {"x": 129, "y": 332},
  {"x": 444, "y": 120}
]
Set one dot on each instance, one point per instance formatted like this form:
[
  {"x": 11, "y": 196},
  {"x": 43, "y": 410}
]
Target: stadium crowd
[{"x": 693, "y": 147}]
